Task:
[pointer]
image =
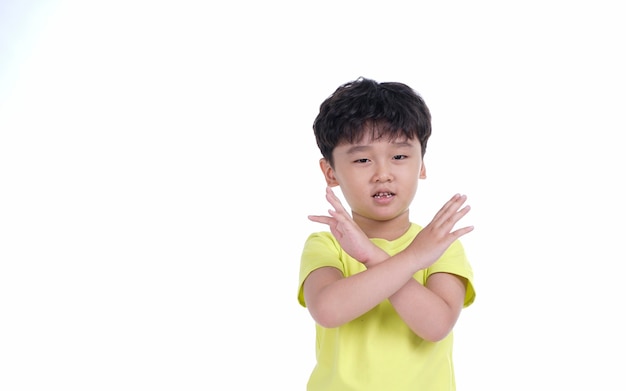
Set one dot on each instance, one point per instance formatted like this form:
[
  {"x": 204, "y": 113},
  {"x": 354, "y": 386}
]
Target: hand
[
  {"x": 350, "y": 236},
  {"x": 435, "y": 238}
]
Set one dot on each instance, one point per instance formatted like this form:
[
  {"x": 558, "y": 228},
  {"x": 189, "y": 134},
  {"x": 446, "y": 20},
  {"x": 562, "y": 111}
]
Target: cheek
[
  {"x": 351, "y": 176},
  {"x": 411, "y": 181}
]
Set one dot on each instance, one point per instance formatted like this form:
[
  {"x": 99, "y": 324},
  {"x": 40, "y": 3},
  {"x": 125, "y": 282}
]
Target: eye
[
  {"x": 363, "y": 160},
  {"x": 399, "y": 157}
]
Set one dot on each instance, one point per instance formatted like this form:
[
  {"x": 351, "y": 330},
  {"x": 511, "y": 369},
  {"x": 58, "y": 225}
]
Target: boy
[{"x": 384, "y": 292}]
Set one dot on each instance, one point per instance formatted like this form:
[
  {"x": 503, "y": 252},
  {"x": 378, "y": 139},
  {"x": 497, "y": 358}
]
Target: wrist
[{"x": 376, "y": 256}]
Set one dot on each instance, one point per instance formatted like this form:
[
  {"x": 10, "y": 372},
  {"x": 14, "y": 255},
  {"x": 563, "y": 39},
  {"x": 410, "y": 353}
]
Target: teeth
[{"x": 380, "y": 195}]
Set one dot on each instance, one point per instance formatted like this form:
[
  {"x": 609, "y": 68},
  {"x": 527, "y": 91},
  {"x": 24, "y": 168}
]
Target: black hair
[{"x": 387, "y": 109}]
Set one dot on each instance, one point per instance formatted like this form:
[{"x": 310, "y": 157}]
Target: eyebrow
[{"x": 360, "y": 148}]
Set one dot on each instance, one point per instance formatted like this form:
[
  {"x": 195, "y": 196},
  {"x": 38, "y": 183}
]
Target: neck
[{"x": 384, "y": 229}]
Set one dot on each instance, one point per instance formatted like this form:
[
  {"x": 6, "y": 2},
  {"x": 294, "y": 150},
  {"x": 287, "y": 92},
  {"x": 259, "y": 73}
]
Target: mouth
[{"x": 384, "y": 194}]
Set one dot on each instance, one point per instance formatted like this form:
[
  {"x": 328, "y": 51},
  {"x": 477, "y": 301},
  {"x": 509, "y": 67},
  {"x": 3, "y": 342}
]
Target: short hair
[{"x": 387, "y": 109}]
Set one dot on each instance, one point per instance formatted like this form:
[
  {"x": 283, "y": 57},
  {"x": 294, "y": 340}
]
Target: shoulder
[{"x": 320, "y": 240}]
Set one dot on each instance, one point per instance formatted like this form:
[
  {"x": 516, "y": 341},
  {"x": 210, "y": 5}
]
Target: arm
[
  {"x": 333, "y": 300},
  {"x": 431, "y": 311}
]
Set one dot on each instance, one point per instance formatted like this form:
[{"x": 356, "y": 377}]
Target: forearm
[
  {"x": 345, "y": 299},
  {"x": 431, "y": 314}
]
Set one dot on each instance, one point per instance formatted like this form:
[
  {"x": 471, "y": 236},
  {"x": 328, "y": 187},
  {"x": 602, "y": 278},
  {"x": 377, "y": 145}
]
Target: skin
[{"x": 379, "y": 179}]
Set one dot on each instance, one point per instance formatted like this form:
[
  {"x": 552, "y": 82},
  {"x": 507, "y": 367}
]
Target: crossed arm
[{"x": 430, "y": 311}]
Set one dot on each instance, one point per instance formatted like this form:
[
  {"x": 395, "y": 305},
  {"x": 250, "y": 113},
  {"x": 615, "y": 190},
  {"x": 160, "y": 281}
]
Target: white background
[{"x": 157, "y": 165}]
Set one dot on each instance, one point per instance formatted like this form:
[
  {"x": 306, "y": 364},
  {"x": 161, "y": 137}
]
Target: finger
[
  {"x": 463, "y": 211},
  {"x": 462, "y": 231},
  {"x": 334, "y": 201},
  {"x": 449, "y": 209},
  {"x": 454, "y": 218},
  {"x": 455, "y": 199},
  {"x": 339, "y": 217},
  {"x": 321, "y": 219}
]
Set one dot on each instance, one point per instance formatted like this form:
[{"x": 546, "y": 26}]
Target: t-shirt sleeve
[
  {"x": 454, "y": 261},
  {"x": 320, "y": 249}
]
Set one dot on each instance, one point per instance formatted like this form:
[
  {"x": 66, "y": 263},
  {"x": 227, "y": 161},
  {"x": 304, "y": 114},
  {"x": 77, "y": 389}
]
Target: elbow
[
  {"x": 326, "y": 317},
  {"x": 326, "y": 320},
  {"x": 328, "y": 324},
  {"x": 440, "y": 326},
  {"x": 435, "y": 332},
  {"x": 435, "y": 335}
]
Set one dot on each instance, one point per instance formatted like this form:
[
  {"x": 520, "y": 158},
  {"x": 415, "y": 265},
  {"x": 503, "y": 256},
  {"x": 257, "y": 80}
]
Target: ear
[
  {"x": 329, "y": 173},
  {"x": 423, "y": 171}
]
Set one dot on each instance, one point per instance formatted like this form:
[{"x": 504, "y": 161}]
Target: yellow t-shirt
[{"x": 378, "y": 351}]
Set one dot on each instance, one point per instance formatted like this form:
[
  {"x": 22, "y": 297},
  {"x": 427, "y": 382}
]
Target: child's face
[{"x": 377, "y": 177}]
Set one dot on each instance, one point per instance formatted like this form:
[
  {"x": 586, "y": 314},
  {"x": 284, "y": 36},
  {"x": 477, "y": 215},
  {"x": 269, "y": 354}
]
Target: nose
[{"x": 383, "y": 174}]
